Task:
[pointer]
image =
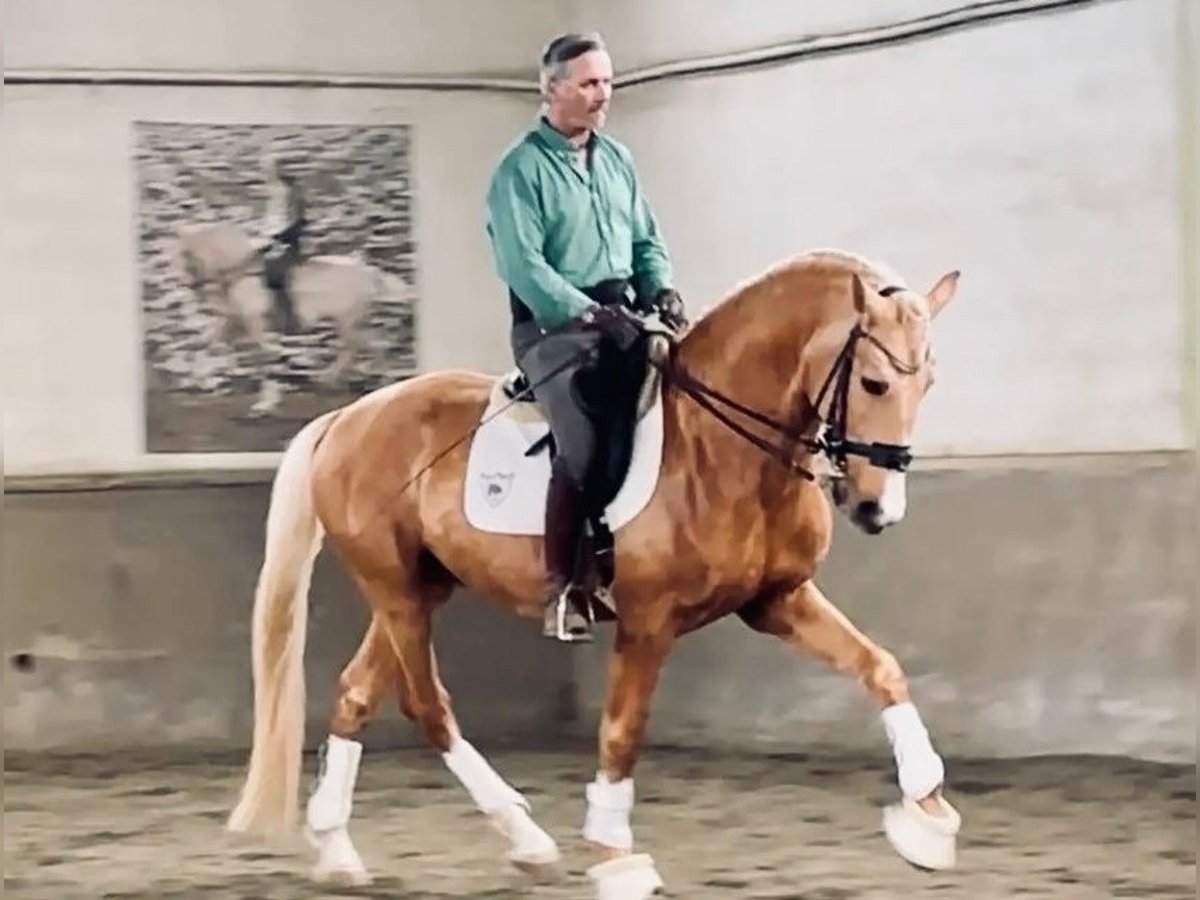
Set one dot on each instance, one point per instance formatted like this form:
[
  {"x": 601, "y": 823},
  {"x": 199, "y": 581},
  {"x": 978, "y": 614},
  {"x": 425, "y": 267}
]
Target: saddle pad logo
[{"x": 496, "y": 487}]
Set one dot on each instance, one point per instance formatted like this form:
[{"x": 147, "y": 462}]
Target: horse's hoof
[
  {"x": 631, "y": 877},
  {"x": 340, "y": 877},
  {"x": 927, "y": 842},
  {"x": 531, "y": 850},
  {"x": 533, "y": 862},
  {"x": 338, "y": 863}
]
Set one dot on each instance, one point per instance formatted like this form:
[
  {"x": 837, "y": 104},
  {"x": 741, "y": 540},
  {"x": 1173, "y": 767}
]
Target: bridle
[{"x": 830, "y": 439}]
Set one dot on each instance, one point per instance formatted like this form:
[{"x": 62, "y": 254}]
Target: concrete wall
[
  {"x": 1051, "y": 605},
  {"x": 131, "y": 608},
  {"x": 1036, "y": 609}
]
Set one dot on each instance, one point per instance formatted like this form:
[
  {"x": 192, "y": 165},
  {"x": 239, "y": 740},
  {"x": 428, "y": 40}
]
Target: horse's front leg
[
  {"x": 637, "y": 660},
  {"x": 923, "y": 826},
  {"x": 267, "y": 355},
  {"x": 333, "y": 374}
]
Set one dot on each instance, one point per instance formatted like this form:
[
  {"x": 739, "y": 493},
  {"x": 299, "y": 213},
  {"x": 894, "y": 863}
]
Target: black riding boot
[{"x": 567, "y": 611}]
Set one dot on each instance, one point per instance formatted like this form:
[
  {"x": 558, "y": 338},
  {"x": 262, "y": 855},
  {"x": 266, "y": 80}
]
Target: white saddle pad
[{"x": 505, "y": 491}]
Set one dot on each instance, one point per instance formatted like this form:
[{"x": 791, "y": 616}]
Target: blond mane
[{"x": 874, "y": 274}]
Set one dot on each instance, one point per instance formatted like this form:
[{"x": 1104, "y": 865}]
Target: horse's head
[{"x": 867, "y": 385}]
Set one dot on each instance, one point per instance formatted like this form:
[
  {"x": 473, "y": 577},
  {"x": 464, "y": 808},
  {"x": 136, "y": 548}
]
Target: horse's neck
[{"x": 749, "y": 348}]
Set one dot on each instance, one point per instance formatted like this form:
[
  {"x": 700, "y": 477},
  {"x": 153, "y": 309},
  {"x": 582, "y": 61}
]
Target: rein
[
  {"x": 831, "y": 439},
  {"x": 524, "y": 393}
]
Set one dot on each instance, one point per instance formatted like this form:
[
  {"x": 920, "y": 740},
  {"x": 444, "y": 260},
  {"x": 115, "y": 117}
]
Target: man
[
  {"x": 571, "y": 232},
  {"x": 284, "y": 223}
]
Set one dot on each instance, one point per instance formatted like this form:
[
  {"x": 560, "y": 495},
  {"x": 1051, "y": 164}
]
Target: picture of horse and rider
[{"x": 277, "y": 271}]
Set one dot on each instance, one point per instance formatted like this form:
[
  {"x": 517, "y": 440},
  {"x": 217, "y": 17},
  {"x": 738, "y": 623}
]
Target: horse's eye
[{"x": 874, "y": 387}]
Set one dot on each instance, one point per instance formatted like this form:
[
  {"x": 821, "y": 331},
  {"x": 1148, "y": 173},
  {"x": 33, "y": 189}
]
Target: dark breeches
[{"x": 561, "y": 396}]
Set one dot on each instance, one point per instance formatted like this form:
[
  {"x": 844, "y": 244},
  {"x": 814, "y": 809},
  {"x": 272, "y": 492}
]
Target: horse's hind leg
[
  {"x": 369, "y": 676},
  {"x": 398, "y": 653},
  {"x": 409, "y": 625},
  {"x": 923, "y": 827}
]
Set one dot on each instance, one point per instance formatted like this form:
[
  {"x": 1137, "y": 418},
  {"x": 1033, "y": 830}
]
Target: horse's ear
[
  {"x": 859, "y": 293},
  {"x": 865, "y": 305},
  {"x": 939, "y": 295}
]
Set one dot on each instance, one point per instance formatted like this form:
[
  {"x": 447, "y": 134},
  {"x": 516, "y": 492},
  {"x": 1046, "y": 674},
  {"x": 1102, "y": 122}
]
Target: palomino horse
[
  {"x": 727, "y": 530},
  {"x": 225, "y": 268}
]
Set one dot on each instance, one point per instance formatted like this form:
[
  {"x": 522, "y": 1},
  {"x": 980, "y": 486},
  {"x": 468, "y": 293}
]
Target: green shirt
[{"x": 557, "y": 225}]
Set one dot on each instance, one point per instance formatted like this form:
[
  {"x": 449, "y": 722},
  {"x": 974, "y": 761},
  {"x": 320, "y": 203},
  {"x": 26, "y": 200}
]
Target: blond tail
[{"x": 270, "y": 794}]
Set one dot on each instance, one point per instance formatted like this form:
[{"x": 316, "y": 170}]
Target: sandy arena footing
[{"x": 718, "y": 825}]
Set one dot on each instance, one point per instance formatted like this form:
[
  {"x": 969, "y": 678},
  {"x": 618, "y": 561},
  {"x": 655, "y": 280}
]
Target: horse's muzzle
[{"x": 868, "y": 516}]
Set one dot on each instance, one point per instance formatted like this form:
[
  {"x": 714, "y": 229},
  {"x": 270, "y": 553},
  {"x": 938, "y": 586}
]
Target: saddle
[
  {"x": 621, "y": 392},
  {"x": 514, "y": 385}
]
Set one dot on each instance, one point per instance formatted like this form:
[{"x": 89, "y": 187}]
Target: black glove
[
  {"x": 613, "y": 322},
  {"x": 670, "y": 308}
]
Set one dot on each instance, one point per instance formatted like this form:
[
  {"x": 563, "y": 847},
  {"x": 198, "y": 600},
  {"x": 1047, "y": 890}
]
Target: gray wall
[
  {"x": 1042, "y": 601},
  {"x": 1036, "y": 609},
  {"x": 133, "y": 608},
  {"x": 1047, "y": 609}
]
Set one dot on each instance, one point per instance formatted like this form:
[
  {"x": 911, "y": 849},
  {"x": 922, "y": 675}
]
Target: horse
[
  {"x": 225, "y": 269},
  {"x": 827, "y": 348}
]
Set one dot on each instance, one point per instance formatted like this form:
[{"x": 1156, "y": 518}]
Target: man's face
[{"x": 580, "y": 100}]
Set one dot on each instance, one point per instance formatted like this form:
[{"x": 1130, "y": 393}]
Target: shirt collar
[{"x": 556, "y": 140}]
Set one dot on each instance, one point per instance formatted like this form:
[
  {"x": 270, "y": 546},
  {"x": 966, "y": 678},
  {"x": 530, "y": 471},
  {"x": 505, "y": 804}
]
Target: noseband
[{"x": 830, "y": 440}]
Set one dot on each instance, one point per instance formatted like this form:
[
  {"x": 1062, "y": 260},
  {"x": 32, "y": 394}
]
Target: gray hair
[{"x": 564, "y": 48}]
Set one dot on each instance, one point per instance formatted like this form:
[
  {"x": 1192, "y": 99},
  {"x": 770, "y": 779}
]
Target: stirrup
[
  {"x": 563, "y": 622},
  {"x": 604, "y": 596}
]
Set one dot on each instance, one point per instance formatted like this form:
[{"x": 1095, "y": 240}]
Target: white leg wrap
[
  {"x": 529, "y": 846},
  {"x": 328, "y": 814},
  {"x": 919, "y": 767},
  {"x": 608, "y": 810},
  {"x": 337, "y": 860},
  {"x": 490, "y": 792},
  {"x": 331, "y": 800}
]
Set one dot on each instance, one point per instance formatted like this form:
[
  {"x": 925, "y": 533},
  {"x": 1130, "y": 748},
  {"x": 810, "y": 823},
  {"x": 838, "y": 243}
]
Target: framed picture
[{"x": 277, "y": 275}]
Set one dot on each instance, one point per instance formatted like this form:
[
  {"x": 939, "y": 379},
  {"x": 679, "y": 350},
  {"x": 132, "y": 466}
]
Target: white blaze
[{"x": 894, "y": 500}]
